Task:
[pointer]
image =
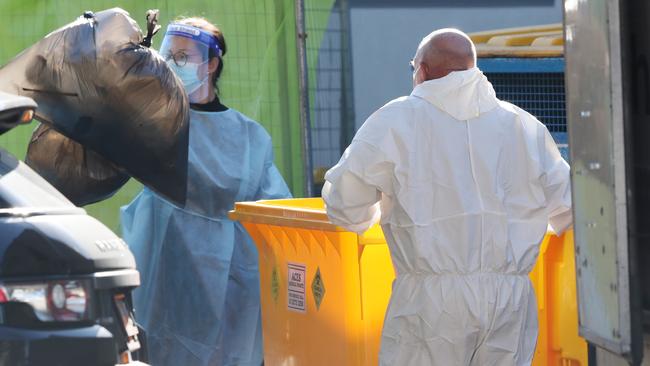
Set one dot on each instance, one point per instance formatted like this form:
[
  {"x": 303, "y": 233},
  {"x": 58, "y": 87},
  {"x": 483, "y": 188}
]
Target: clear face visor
[{"x": 186, "y": 50}]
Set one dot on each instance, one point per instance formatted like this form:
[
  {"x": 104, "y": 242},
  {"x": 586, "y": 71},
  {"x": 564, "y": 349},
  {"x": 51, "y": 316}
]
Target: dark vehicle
[{"x": 65, "y": 278}]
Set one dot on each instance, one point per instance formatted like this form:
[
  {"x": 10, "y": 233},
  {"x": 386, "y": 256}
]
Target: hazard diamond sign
[
  {"x": 318, "y": 288},
  {"x": 275, "y": 284}
]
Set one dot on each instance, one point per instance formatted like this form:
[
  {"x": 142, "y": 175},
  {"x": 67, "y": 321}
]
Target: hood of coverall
[{"x": 463, "y": 95}]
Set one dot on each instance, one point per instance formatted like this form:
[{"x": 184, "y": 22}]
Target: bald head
[{"x": 442, "y": 52}]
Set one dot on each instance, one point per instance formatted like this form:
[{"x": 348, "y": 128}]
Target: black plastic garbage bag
[
  {"x": 96, "y": 84},
  {"x": 80, "y": 174}
]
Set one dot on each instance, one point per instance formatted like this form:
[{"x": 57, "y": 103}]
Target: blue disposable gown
[{"x": 199, "y": 297}]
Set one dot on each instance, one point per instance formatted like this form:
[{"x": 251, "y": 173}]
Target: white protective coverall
[{"x": 465, "y": 186}]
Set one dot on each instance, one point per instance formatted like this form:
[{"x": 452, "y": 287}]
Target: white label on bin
[{"x": 296, "y": 287}]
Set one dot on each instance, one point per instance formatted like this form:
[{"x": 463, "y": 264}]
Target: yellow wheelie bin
[{"x": 325, "y": 290}]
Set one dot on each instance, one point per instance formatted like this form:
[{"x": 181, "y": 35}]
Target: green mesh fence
[
  {"x": 330, "y": 83},
  {"x": 260, "y": 75}
]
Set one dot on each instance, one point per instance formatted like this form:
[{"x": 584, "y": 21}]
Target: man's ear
[
  {"x": 213, "y": 64},
  {"x": 427, "y": 72}
]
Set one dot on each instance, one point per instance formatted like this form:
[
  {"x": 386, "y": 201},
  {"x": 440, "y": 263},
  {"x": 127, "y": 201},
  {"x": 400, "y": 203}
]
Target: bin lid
[
  {"x": 539, "y": 41},
  {"x": 305, "y": 213},
  {"x": 298, "y": 212}
]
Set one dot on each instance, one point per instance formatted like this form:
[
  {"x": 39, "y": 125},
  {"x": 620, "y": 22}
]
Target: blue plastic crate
[{"x": 536, "y": 85}]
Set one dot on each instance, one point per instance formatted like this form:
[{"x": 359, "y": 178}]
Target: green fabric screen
[{"x": 260, "y": 76}]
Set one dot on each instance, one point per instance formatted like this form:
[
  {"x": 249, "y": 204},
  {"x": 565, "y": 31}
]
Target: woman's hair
[{"x": 204, "y": 24}]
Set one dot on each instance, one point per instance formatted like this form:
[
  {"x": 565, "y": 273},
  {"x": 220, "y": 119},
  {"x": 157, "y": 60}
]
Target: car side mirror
[{"x": 15, "y": 110}]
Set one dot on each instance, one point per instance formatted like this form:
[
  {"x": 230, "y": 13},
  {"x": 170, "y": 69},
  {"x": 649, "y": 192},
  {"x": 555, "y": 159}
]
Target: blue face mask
[{"x": 189, "y": 75}]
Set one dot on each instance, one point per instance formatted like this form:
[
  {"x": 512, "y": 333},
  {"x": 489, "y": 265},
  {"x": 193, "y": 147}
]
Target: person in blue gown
[{"x": 199, "y": 298}]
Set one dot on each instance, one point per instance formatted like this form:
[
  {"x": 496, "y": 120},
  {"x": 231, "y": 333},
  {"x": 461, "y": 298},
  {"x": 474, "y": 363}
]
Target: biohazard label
[
  {"x": 296, "y": 287},
  {"x": 275, "y": 284},
  {"x": 318, "y": 288}
]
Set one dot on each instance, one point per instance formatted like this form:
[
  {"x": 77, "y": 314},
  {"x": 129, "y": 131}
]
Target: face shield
[{"x": 187, "y": 50}]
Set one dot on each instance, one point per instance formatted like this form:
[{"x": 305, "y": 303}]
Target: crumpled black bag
[
  {"x": 96, "y": 84},
  {"x": 80, "y": 174}
]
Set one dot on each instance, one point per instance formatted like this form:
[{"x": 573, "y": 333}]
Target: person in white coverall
[{"x": 465, "y": 185}]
